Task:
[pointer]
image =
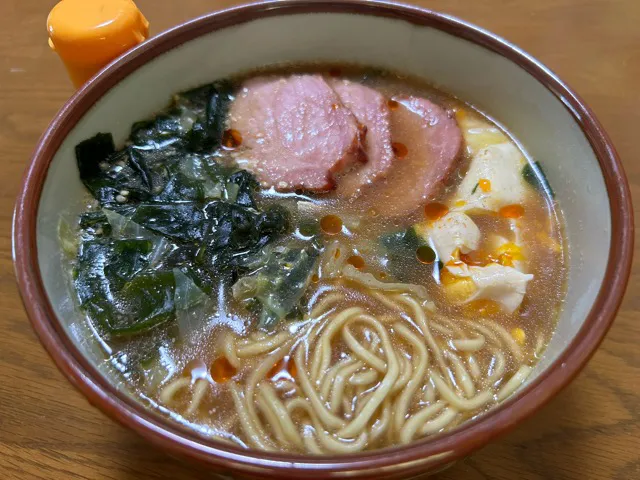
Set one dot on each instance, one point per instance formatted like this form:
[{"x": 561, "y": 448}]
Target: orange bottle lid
[{"x": 88, "y": 34}]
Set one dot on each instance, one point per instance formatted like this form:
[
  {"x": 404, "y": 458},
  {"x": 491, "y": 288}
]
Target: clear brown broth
[{"x": 194, "y": 356}]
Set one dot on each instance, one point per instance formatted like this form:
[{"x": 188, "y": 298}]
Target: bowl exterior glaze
[{"x": 470, "y": 62}]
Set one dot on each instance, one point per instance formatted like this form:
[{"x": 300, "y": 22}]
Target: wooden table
[{"x": 590, "y": 431}]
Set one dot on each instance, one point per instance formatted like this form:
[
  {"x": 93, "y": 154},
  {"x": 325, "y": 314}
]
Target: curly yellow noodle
[{"x": 420, "y": 361}]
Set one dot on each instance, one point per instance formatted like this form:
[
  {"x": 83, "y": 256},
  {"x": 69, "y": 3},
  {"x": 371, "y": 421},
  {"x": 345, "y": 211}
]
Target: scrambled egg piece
[
  {"x": 496, "y": 282},
  {"x": 499, "y": 166},
  {"x": 457, "y": 289},
  {"x": 454, "y": 231},
  {"x": 477, "y": 132},
  {"x": 508, "y": 252}
]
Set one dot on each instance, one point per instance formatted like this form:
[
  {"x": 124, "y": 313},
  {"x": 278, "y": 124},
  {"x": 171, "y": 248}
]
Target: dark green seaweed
[
  {"x": 94, "y": 225},
  {"x": 91, "y": 152},
  {"x": 235, "y": 233},
  {"x": 401, "y": 247},
  {"x": 183, "y": 222},
  {"x": 208, "y": 130},
  {"x": 201, "y": 218},
  {"x": 116, "y": 288},
  {"x": 247, "y": 186},
  {"x": 402, "y": 241},
  {"x": 146, "y": 168},
  {"x": 275, "y": 290},
  {"x": 534, "y": 175}
]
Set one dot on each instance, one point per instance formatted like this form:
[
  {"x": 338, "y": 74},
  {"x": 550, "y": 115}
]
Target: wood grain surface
[{"x": 590, "y": 431}]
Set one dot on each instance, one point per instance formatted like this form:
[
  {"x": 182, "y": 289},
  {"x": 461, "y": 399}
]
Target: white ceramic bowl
[{"x": 552, "y": 123}]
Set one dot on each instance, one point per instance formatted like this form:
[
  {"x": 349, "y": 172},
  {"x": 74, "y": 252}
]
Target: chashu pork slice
[
  {"x": 370, "y": 109},
  {"x": 297, "y": 132}
]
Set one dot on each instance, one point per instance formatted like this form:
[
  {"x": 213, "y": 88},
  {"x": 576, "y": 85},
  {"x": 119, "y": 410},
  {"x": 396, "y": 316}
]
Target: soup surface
[{"x": 317, "y": 260}]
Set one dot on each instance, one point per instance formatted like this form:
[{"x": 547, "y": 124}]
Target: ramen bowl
[{"x": 551, "y": 121}]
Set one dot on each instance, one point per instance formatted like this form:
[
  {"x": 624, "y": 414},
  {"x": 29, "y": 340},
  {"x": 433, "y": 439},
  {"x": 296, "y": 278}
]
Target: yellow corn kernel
[
  {"x": 510, "y": 249},
  {"x": 485, "y": 185},
  {"x": 458, "y": 289},
  {"x": 506, "y": 260},
  {"x": 483, "y": 307},
  {"x": 447, "y": 278},
  {"x": 518, "y": 335},
  {"x": 460, "y": 203}
]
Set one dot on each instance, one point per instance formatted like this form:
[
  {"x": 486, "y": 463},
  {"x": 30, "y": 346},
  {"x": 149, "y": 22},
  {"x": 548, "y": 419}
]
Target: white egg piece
[
  {"x": 455, "y": 230},
  {"x": 505, "y": 285},
  {"x": 500, "y": 168},
  {"x": 478, "y": 133},
  {"x": 496, "y": 241}
]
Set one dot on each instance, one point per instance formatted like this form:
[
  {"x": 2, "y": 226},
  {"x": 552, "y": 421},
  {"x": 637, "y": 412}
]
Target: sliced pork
[
  {"x": 427, "y": 142},
  {"x": 298, "y": 132},
  {"x": 371, "y": 110}
]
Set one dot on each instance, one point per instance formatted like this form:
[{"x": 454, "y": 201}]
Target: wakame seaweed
[
  {"x": 235, "y": 233},
  {"x": 534, "y": 175},
  {"x": 401, "y": 241},
  {"x": 145, "y": 169},
  {"x": 401, "y": 247},
  {"x": 94, "y": 224},
  {"x": 206, "y": 132},
  {"x": 116, "y": 288},
  {"x": 200, "y": 217},
  {"x": 274, "y": 291}
]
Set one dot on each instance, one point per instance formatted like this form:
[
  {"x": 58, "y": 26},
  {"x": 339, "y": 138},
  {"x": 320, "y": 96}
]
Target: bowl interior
[{"x": 538, "y": 119}]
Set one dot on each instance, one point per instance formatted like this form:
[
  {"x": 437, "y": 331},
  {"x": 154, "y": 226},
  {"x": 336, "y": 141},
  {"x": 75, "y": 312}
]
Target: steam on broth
[{"x": 318, "y": 260}]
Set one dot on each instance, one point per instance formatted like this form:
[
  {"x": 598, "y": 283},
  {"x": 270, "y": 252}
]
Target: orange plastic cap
[{"x": 88, "y": 34}]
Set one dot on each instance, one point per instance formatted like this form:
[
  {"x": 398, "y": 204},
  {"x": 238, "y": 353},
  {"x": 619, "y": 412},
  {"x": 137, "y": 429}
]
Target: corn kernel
[
  {"x": 518, "y": 335},
  {"x": 483, "y": 307},
  {"x": 447, "y": 278},
  {"x": 512, "y": 250},
  {"x": 459, "y": 289},
  {"x": 455, "y": 288},
  {"x": 506, "y": 260}
]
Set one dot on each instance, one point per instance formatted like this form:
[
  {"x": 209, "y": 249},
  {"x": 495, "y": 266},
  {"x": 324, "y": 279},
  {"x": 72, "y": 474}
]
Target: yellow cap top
[{"x": 88, "y": 34}]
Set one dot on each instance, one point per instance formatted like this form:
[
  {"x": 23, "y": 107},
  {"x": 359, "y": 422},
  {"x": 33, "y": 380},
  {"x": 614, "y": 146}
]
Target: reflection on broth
[{"x": 318, "y": 260}]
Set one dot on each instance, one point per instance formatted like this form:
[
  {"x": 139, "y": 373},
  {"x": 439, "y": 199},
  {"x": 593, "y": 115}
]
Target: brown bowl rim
[{"x": 410, "y": 459}]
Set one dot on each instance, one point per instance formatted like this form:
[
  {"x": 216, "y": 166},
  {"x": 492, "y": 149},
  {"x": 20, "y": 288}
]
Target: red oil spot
[
  {"x": 512, "y": 211},
  {"x": 357, "y": 261},
  {"x": 231, "y": 139},
  {"x": 399, "y": 149},
  {"x": 222, "y": 370},
  {"x": 435, "y": 210},
  {"x": 331, "y": 224}
]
